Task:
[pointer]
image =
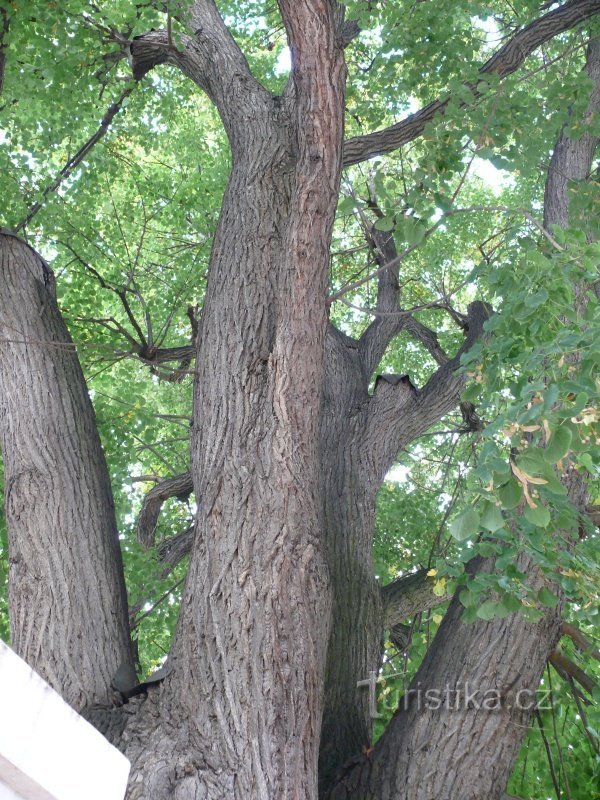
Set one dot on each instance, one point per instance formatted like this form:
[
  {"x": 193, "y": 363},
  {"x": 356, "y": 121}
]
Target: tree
[{"x": 292, "y": 434}]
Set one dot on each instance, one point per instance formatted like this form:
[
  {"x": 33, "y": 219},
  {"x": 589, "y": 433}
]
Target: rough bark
[
  {"x": 460, "y": 748},
  {"x": 177, "y": 486},
  {"x": 63, "y": 544},
  {"x": 249, "y": 652},
  {"x": 407, "y": 596},
  {"x": 361, "y": 435}
]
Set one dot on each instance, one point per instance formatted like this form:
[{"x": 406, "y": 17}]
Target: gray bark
[
  {"x": 248, "y": 658},
  {"x": 66, "y": 589}
]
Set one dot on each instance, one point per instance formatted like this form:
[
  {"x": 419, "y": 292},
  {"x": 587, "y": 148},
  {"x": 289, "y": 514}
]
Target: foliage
[{"x": 139, "y": 216}]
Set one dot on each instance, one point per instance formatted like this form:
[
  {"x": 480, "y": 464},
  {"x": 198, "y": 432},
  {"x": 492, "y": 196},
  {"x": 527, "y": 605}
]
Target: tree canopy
[{"x": 115, "y": 170}]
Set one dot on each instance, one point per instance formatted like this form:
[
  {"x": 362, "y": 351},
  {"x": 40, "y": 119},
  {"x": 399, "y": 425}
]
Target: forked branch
[{"x": 398, "y": 412}]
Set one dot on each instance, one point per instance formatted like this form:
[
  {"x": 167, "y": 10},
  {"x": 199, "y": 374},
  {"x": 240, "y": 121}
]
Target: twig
[
  {"x": 160, "y": 600},
  {"x": 76, "y": 160}
]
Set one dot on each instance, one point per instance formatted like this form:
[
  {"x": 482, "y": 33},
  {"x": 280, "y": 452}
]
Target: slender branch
[
  {"x": 548, "y": 750},
  {"x": 579, "y": 702},
  {"x": 149, "y": 354},
  {"x": 160, "y": 600},
  {"x": 506, "y": 61},
  {"x": 565, "y": 666},
  {"x": 77, "y": 159}
]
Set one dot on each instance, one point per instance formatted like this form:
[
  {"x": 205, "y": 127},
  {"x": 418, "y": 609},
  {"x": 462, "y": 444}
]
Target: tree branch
[
  {"x": 180, "y": 486},
  {"x": 389, "y": 323},
  {"x": 174, "y": 549},
  {"x": 579, "y": 640},
  {"x": 398, "y": 413},
  {"x": 148, "y": 353},
  {"x": 210, "y": 58},
  {"x": 408, "y": 596},
  {"x": 515, "y": 648},
  {"x": 571, "y": 158},
  {"x": 412, "y": 594},
  {"x": 76, "y": 160},
  {"x": 506, "y": 61},
  {"x": 564, "y": 666}
]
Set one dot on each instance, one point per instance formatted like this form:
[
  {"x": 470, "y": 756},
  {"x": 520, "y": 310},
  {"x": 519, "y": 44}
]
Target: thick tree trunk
[
  {"x": 462, "y": 721},
  {"x": 66, "y": 590},
  {"x": 357, "y": 629},
  {"x": 248, "y": 660}
]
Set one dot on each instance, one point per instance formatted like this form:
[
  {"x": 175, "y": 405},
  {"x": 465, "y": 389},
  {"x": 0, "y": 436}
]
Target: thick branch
[
  {"x": 564, "y": 666},
  {"x": 506, "y": 61},
  {"x": 572, "y": 158},
  {"x": 384, "y": 328},
  {"x": 412, "y": 594},
  {"x": 579, "y": 640},
  {"x": 179, "y": 486},
  {"x": 174, "y": 549},
  {"x": 409, "y": 595},
  {"x": 398, "y": 412},
  {"x": 210, "y": 57},
  {"x": 446, "y": 384}
]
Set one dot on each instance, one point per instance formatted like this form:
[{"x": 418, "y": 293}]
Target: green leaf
[
  {"x": 346, "y": 206},
  {"x": 510, "y": 494},
  {"x": 537, "y": 299},
  {"x": 531, "y": 614},
  {"x": 492, "y": 519},
  {"x": 385, "y": 224},
  {"x": 465, "y": 525},
  {"x": 472, "y": 393},
  {"x": 540, "y": 516},
  {"x": 511, "y": 603},
  {"x": 488, "y": 610},
  {"x": 547, "y": 598},
  {"x": 559, "y": 444}
]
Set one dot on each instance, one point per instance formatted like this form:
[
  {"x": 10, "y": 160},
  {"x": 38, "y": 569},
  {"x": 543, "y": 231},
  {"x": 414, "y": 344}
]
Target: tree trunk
[
  {"x": 66, "y": 588},
  {"x": 248, "y": 659},
  {"x": 357, "y": 628}
]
